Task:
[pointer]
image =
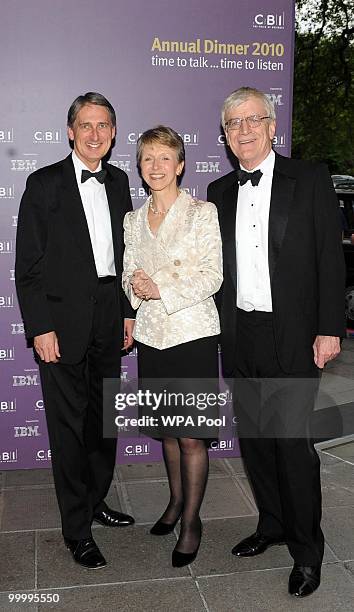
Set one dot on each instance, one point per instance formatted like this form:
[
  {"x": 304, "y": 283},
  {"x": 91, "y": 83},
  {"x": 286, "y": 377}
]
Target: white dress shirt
[
  {"x": 252, "y": 220},
  {"x": 95, "y": 203}
]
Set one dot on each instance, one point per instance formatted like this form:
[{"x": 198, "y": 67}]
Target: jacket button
[
  {"x": 175, "y": 275},
  {"x": 93, "y": 299},
  {"x": 177, "y": 262}
]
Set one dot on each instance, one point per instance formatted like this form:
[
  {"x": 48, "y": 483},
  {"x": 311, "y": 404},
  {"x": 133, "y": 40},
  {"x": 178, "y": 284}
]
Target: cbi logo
[
  {"x": 223, "y": 445},
  {"x": 7, "y": 246},
  {"x": 192, "y": 190},
  {"x": 7, "y": 192},
  {"x": 7, "y": 135},
  {"x": 14, "y": 220},
  {"x": 266, "y": 21},
  {"x": 39, "y": 405},
  {"x": 12, "y": 275},
  {"x": 7, "y": 354},
  {"x": 138, "y": 193},
  {"x": 27, "y": 431},
  {"x": 123, "y": 164},
  {"x": 137, "y": 450},
  {"x": 43, "y": 455},
  {"x": 132, "y": 138},
  {"x": 8, "y": 406},
  {"x": 190, "y": 138},
  {"x": 209, "y": 166},
  {"x": 279, "y": 141},
  {"x": 221, "y": 142},
  {"x": 47, "y": 137},
  {"x": 7, "y": 301},
  {"x": 28, "y": 379},
  {"x": 24, "y": 165},
  {"x": 9, "y": 456}
]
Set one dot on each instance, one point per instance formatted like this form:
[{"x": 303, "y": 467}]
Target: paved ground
[{"x": 140, "y": 577}]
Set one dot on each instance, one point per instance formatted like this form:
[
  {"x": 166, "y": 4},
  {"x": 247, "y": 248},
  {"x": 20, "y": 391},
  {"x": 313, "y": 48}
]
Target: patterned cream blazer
[{"x": 185, "y": 261}]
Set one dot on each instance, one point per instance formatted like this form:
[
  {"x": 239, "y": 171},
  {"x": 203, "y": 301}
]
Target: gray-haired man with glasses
[{"x": 282, "y": 315}]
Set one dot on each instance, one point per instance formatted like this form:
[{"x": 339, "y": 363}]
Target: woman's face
[{"x": 159, "y": 167}]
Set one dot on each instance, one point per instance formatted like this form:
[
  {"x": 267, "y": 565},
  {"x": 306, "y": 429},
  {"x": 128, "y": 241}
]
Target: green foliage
[{"x": 323, "y": 112}]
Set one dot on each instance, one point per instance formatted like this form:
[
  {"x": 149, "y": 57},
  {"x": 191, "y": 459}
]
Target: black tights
[{"x": 187, "y": 465}]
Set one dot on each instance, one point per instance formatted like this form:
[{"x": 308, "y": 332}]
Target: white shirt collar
[
  {"x": 79, "y": 166},
  {"x": 266, "y": 166}
]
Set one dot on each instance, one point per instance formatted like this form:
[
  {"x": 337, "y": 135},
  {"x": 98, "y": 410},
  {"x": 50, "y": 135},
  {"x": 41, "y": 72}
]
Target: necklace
[
  {"x": 155, "y": 211},
  {"x": 159, "y": 212}
]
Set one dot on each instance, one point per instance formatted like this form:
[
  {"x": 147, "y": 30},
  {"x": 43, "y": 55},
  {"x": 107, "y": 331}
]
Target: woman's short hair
[
  {"x": 91, "y": 97},
  {"x": 164, "y": 136},
  {"x": 242, "y": 95}
]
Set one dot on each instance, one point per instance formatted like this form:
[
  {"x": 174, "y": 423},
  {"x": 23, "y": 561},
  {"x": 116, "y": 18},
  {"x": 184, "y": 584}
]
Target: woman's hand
[{"x": 144, "y": 287}]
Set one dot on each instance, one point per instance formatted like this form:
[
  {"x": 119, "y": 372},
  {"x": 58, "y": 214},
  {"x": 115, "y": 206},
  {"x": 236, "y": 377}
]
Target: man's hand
[
  {"x": 47, "y": 347},
  {"x": 144, "y": 287},
  {"x": 325, "y": 348},
  {"x": 128, "y": 334}
]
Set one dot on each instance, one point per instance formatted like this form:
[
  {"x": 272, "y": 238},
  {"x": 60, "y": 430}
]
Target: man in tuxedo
[
  {"x": 282, "y": 316},
  {"x": 68, "y": 279}
]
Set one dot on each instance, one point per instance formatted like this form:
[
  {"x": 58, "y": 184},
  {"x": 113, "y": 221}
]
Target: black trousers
[
  {"x": 83, "y": 462},
  {"x": 274, "y": 411}
]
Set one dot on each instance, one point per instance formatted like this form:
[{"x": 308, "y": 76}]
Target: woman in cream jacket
[{"x": 172, "y": 269}]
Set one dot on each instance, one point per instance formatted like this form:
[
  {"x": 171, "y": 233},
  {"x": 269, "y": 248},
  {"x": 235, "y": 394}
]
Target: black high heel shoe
[
  {"x": 180, "y": 559},
  {"x": 160, "y": 528}
]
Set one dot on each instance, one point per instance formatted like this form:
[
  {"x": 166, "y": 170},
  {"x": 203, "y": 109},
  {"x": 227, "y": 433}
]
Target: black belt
[
  {"x": 255, "y": 314},
  {"x": 104, "y": 280}
]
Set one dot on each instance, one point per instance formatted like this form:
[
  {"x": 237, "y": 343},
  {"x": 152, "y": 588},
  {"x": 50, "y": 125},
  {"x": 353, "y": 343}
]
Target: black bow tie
[
  {"x": 100, "y": 176},
  {"x": 244, "y": 176}
]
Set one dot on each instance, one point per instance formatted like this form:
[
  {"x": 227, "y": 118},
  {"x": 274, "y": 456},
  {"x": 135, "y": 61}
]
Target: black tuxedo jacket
[
  {"x": 306, "y": 263},
  {"x": 56, "y": 277}
]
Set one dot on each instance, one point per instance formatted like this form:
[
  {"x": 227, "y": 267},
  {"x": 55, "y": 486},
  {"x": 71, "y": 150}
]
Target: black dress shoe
[
  {"x": 86, "y": 553},
  {"x": 180, "y": 559},
  {"x": 304, "y": 580},
  {"x": 112, "y": 518},
  {"x": 160, "y": 528},
  {"x": 255, "y": 545}
]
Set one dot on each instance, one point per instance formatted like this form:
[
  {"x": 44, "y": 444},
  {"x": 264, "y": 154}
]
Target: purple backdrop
[{"x": 157, "y": 62}]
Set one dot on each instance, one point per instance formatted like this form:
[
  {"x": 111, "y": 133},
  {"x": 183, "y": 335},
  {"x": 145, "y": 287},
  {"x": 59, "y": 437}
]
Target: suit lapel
[
  {"x": 228, "y": 227},
  {"x": 282, "y": 195},
  {"x": 74, "y": 210}
]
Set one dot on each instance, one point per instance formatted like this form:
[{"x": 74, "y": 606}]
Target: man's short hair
[
  {"x": 91, "y": 97},
  {"x": 243, "y": 94}
]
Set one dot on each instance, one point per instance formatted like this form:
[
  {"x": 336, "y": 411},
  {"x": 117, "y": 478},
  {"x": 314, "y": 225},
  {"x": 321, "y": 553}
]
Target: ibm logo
[
  {"x": 222, "y": 445},
  {"x": 274, "y": 21},
  {"x": 25, "y": 380},
  {"x": 26, "y": 165},
  {"x": 7, "y": 192},
  {"x": 123, "y": 164},
  {"x": 26, "y": 431},
  {"x": 17, "y": 328},
  {"x": 6, "y": 246},
  {"x": 7, "y": 354},
  {"x": 47, "y": 136},
  {"x": 276, "y": 98},
  {"x": 7, "y": 301},
  {"x": 8, "y": 456},
  {"x": 207, "y": 166},
  {"x": 8, "y": 406},
  {"x": 7, "y": 135},
  {"x": 134, "y": 450},
  {"x": 43, "y": 455}
]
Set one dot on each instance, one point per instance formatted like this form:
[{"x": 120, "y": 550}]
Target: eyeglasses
[{"x": 253, "y": 121}]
